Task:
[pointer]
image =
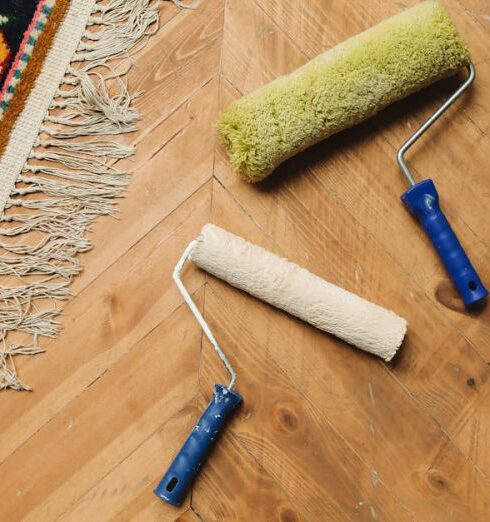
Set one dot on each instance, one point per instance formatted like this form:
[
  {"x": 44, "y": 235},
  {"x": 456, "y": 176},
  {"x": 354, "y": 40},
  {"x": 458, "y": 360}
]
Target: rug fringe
[
  {"x": 8, "y": 374},
  {"x": 105, "y": 149},
  {"x": 137, "y": 19},
  {"x": 66, "y": 183}
]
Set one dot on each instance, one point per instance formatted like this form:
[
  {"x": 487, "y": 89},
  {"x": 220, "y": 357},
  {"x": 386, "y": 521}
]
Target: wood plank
[
  {"x": 176, "y": 62},
  {"x": 472, "y": 431},
  {"x": 141, "y": 470},
  {"x": 234, "y": 486}
]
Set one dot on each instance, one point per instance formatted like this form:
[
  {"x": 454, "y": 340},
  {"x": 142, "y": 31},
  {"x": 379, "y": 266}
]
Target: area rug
[{"x": 62, "y": 106}]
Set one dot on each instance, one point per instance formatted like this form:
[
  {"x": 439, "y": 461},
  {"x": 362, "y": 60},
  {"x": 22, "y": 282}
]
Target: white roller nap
[{"x": 289, "y": 287}]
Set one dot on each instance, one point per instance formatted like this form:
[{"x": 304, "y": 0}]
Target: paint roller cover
[
  {"x": 291, "y": 288},
  {"x": 340, "y": 88}
]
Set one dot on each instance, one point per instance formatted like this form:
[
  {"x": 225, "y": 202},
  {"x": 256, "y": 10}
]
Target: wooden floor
[{"x": 326, "y": 433}]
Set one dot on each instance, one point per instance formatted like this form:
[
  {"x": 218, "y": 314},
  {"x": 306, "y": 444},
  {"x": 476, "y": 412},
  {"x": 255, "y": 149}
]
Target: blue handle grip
[
  {"x": 422, "y": 200},
  {"x": 179, "y": 478}
]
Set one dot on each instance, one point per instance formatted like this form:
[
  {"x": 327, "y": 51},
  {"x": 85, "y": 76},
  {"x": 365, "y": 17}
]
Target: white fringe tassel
[{"x": 66, "y": 182}]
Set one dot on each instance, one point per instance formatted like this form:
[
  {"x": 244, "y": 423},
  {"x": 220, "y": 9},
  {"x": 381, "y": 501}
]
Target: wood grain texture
[{"x": 326, "y": 433}]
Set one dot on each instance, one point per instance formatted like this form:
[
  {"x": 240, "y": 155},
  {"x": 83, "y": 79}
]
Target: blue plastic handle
[
  {"x": 177, "y": 481},
  {"x": 422, "y": 200}
]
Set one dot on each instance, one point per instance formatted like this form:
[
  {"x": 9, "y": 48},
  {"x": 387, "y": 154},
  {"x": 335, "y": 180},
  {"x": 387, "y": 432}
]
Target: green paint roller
[{"x": 346, "y": 85}]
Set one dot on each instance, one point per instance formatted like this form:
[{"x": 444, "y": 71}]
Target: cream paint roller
[
  {"x": 346, "y": 85},
  {"x": 284, "y": 285},
  {"x": 293, "y": 289}
]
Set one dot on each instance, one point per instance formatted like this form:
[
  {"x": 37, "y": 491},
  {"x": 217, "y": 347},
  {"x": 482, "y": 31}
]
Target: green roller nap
[{"x": 340, "y": 88}]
